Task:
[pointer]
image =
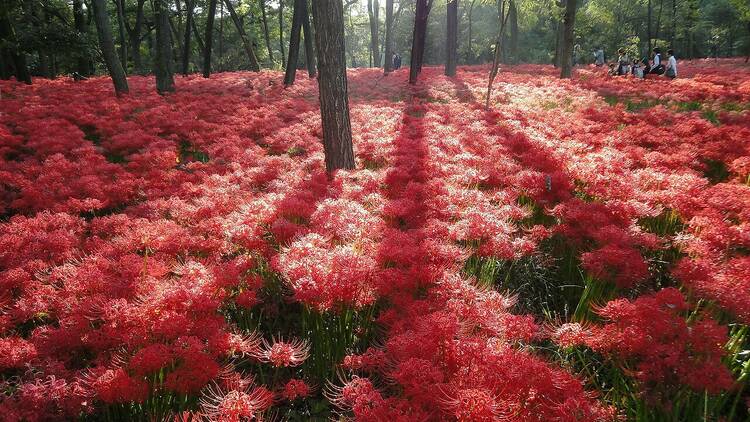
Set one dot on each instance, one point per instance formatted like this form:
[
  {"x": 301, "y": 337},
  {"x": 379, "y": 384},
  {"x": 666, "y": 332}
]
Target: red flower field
[{"x": 578, "y": 252}]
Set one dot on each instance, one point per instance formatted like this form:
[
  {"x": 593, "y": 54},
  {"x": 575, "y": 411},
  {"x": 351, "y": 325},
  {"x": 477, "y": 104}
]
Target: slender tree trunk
[
  {"x": 221, "y": 36},
  {"x": 451, "y": 46},
  {"x": 245, "y": 40},
  {"x": 265, "y": 29},
  {"x": 470, "y": 50},
  {"x": 209, "y": 38},
  {"x": 388, "y": 59},
  {"x": 107, "y": 44},
  {"x": 569, "y": 21},
  {"x": 648, "y": 31},
  {"x": 188, "y": 30},
  {"x": 307, "y": 32},
  {"x": 294, "y": 38},
  {"x": 163, "y": 53},
  {"x": 674, "y": 23},
  {"x": 373, "y": 10},
  {"x": 658, "y": 19},
  {"x": 18, "y": 58},
  {"x": 83, "y": 65},
  {"x": 121, "y": 29},
  {"x": 281, "y": 33},
  {"x": 513, "y": 18},
  {"x": 332, "y": 83},
  {"x": 503, "y": 18},
  {"x": 419, "y": 38},
  {"x": 135, "y": 37},
  {"x": 198, "y": 40}
]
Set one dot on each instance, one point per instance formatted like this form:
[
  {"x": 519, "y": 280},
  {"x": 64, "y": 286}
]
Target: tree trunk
[
  {"x": 121, "y": 29},
  {"x": 17, "y": 58},
  {"x": 503, "y": 18},
  {"x": 163, "y": 53},
  {"x": 470, "y": 51},
  {"x": 648, "y": 30},
  {"x": 307, "y": 32},
  {"x": 209, "y": 38},
  {"x": 569, "y": 21},
  {"x": 328, "y": 18},
  {"x": 388, "y": 59},
  {"x": 294, "y": 38},
  {"x": 265, "y": 29},
  {"x": 281, "y": 33},
  {"x": 419, "y": 38},
  {"x": 451, "y": 46},
  {"x": 245, "y": 40},
  {"x": 83, "y": 65},
  {"x": 674, "y": 23},
  {"x": 373, "y": 10},
  {"x": 198, "y": 39},
  {"x": 107, "y": 44},
  {"x": 188, "y": 30},
  {"x": 135, "y": 38},
  {"x": 513, "y": 18}
]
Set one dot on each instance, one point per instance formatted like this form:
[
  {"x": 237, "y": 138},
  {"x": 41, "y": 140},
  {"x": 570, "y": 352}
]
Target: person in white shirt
[{"x": 671, "y": 68}]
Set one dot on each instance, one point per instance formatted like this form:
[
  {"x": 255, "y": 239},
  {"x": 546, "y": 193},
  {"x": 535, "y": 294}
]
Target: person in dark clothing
[
  {"x": 657, "y": 67},
  {"x": 397, "y": 61}
]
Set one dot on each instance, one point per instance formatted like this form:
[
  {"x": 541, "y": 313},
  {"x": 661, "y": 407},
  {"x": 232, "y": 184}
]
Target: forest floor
[{"x": 579, "y": 250}]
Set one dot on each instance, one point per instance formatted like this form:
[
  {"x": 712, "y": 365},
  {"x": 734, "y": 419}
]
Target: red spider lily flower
[{"x": 281, "y": 353}]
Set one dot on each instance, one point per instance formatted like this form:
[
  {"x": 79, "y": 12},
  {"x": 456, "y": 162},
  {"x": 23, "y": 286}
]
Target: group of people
[
  {"x": 655, "y": 66},
  {"x": 396, "y": 61}
]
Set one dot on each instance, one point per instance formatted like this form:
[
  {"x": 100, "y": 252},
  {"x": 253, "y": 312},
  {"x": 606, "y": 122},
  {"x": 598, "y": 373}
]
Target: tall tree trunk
[
  {"x": 121, "y": 32},
  {"x": 307, "y": 32},
  {"x": 502, "y": 16},
  {"x": 658, "y": 19},
  {"x": 135, "y": 37},
  {"x": 107, "y": 44},
  {"x": 198, "y": 40},
  {"x": 334, "y": 98},
  {"x": 245, "y": 40},
  {"x": 373, "y": 10},
  {"x": 265, "y": 29},
  {"x": 648, "y": 30},
  {"x": 18, "y": 58},
  {"x": 188, "y": 30},
  {"x": 569, "y": 21},
  {"x": 513, "y": 41},
  {"x": 163, "y": 53},
  {"x": 388, "y": 59},
  {"x": 559, "y": 39},
  {"x": 294, "y": 38},
  {"x": 451, "y": 46},
  {"x": 470, "y": 50},
  {"x": 209, "y": 38},
  {"x": 83, "y": 66},
  {"x": 281, "y": 33},
  {"x": 419, "y": 38}
]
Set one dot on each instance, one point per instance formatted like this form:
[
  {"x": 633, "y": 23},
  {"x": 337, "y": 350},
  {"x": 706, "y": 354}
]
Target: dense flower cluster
[{"x": 148, "y": 243}]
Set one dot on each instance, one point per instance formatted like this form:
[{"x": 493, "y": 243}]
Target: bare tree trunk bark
[
  {"x": 388, "y": 60},
  {"x": 189, "y": 4},
  {"x": 135, "y": 37},
  {"x": 121, "y": 28},
  {"x": 107, "y": 44},
  {"x": 332, "y": 83},
  {"x": 451, "y": 47},
  {"x": 83, "y": 66},
  {"x": 18, "y": 58},
  {"x": 648, "y": 30},
  {"x": 209, "y": 38},
  {"x": 265, "y": 29},
  {"x": 373, "y": 11},
  {"x": 294, "y": 38},
  {"x": 281, "y": 33},
  {"x": 513, "y": 47},
  {"x": 503, "y": 18},
  {"x": 245, "y": 40},
  {"x": 307, "y": 32},
  {"x": 419, "y": 39},
  {"x": 470, "y": 51},
  {"x": 163, "y": 53},
  {"x": 569, "y": 21}
]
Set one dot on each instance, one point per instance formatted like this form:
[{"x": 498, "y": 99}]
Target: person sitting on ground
[
  {"x": 657, "y": 67},
  {"x": 623, "y": 63},
  {"x": 612, "y": 69},
  {"x": 671, "y": 68},
  {"x": 637, "y": 69}
]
